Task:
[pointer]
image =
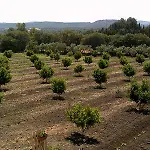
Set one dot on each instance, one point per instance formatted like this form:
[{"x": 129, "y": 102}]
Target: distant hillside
[{"x": 71, "y": 25}]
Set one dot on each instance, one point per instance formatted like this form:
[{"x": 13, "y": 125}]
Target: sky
[{"x": 72, "y": 10}]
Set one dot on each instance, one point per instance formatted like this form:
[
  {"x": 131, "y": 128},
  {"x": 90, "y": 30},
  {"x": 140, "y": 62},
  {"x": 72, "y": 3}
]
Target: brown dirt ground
[{"x": 29, "y": 106}]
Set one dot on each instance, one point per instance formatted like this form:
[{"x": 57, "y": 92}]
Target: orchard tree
[
  {"x": 46, "y": 72},
  {"x": 129, "y": 71},
  {"x": 77, "y": 55},
  {"x": 147, "y": 67},
  {"x": 29, "y": 52},
  {"x": 78, "y": 69},
  {"x": 51, "y": 56},
  {"x": 140, "y": 93},
  {"x": 33, "y": 58},
  {"x": 4, "y": 62},
  {"x": 88, "y": 59},
  {"x": 38, "y": 64},
  {"x": 8, "y": 53},
  {"x": 140, "y": 58},
  {"x": 66, "y": 62},
  {"x": 100, "y": 76},
  {"x": 83, "y": 117},
  {"x": 5, "y": 76},
  {"x": 106, "y": 56},
  {"x": 58, "y": 86},
  {"x": 123, "y": 60},
  {"x": 57, "y": 57},
  {"x": 103, "y": 63}
]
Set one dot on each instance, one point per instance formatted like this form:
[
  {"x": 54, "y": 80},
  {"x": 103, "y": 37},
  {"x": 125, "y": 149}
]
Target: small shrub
[
  {"x": 94, "y": 53},
  {"x": 119, "y": 53},
  {"x": 103, "y": 63},
  {"x": 33, "y": 58},
  {"x": 140, "y": 58},
  {"x": 123, "y": 60},
  {"x": 46, "y": 72},
  {"x": 4, "y": 62},
  {"x": 58, "y": 86},
  {"x": 29, "y": 52},
  {"x": 70, "y": 54},
  {"x": 83, "y": 117},
  {"x": 106, "y": 56},
  {"x": 88, "y": 59},
  {"x": 147, "y": 67},
  {"x": 57, "y": 57},
  {"x": 5, "y": 76},
  {"x": 38, "y": 64},
  {"x": 77, "y": 55},
  {"x": 48, "y": 52},
  {"x": 66, "y": 62},
  {"x": 8, "y": 53},
  {"x": 140, "y": 93},
  {"x": 100, "y": 76},
  {"x": 78, "y": 69},
  {"x": 51, "y": 56},
  {"x": 129, "y": 71}
]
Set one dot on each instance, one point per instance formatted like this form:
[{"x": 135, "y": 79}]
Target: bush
[
  {"x": 8, "y": 53},
  {"x": 83, "y": 117},
  {"x": 33, "y": 58},
  {"x": 119, "y": 53},
  {"x": 46, "y": 72},
  {"x": 38, "y": 64},
  {"x": 48, "y": 52},
  {"x": 100, "y": 76},
  {"x": 51, "y": 56},
  {"x": 29, "y": 52},
  {"x": 58, "y": 86},
  {"x": 140, "y": 93},
  {"x": 78, "y": 69},
  {"x": 94, "y": 53},
  {"x": 57, "y": 57},
  {"x": 77, "y": 55},
  {"x": 66, "y": 62},
  {"x": 103, "y": 63},
  {"x": 106, "y": 56},
  {"x": 4, "y": 62},
  {"x": 123, "y": 60},
  {"x": 5, "y": 76},
  {"x": 140, "y": 58},
  {"x": 129, "y": 71},
  {"x": 70, "y": 54},
  {"x": 88, "y": 59},
  {"x": 147, "y": 67}
]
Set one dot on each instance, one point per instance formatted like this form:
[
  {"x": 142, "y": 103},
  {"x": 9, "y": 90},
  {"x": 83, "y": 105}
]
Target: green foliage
[
  {"x": 83, "y": 117},
  {"x": 100, "y": 76},
  {"x": 88, "y": 59},
  {"x": 106, "y": 56},
  {"x": 140, "y": 58},
  {"x": 128, "y": 70},
  {"x": 38, "y": 64},
  {"x": 48, "y": 52},
  {"x": 147, "y": 67},
  {"x": 77, "y": 55},
  {"x": 78, "y": 69},
  {"x": 33, "y": 58},
  {"x": 51, "y": 55},
  {"x": 123, "y": 60},
  {"x": 5, "y": 76},
  {"x": 29, "y": 52},
  {"x": 4, "y": 62},
  {"x": 94, "y": 53},
  {"x": 58, "y": 86},
  {"x": 103, "y": 63},
  {"x": 140, "y": 93},
  {"x": 66, "y": 62},
  {"x": 46, "y": 72},
  {"x": 70, "y": 54},
  {"x": 119, "y": 53},
  {"x": 8, "y": 53},
  {"x": 57, "y": 56}
]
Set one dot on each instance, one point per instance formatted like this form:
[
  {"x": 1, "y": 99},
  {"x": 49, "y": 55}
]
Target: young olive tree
[
  {"x": 103, "y": 63},
  {"x": 46, "y": 72},
  {"x": 147, "y": 67},
  {"x": 57, "y": 57},
  {"x": 100, "y": 77},
  {"x": 83, "y": 117},
  {"x": 66, "y": 62},
  {"x": 129, "y": 71},
  {"x": 4, "y": 62},
  {"x": 38, "y": 64},
  {"x": 8, "y": 53},
  {"x": 140, "y": 58},
  {"x": 58, "y": 86},
  {"x": 33, "y": 58},
  {"x": 29, "y": 52},
  {"x": 88, "y": 59},
  {"x": 140, "y": 93},
  {"x": 78, "y": 69},
  {"x": 77, "y": 55},
  {"x": 106, "y": 56},
  {"x": 5, "y": 76},
  {"x": 123, "y": 60}
]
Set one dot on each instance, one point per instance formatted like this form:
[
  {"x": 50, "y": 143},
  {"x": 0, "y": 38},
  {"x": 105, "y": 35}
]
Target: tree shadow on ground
[
  {"x": 58, "y": 98},
  {"x": 143, "y": 112},
  {"x": 4, "y": 90},
  {"x": 99, "y": 87},
  {"x": 79, "y": 139}
]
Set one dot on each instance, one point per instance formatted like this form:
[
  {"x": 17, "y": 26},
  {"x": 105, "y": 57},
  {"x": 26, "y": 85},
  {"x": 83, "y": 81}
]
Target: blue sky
[{"x": 72, "y": 10}]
